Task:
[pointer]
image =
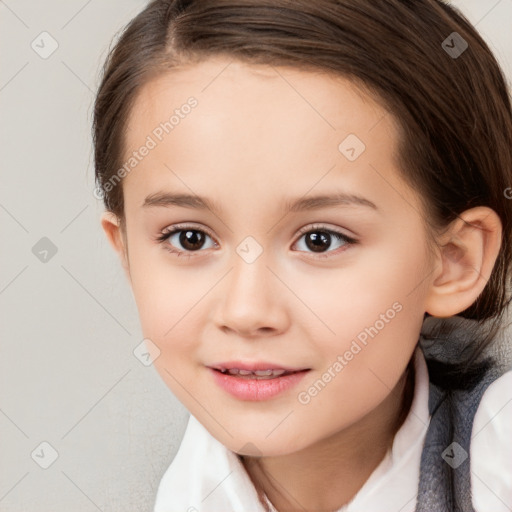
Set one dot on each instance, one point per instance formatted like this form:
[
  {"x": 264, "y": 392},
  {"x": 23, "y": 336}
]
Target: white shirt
[{"x": 206, "y": 476}]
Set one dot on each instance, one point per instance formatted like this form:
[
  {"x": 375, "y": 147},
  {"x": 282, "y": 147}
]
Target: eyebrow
[
  {"x": 323, "y": 201},
  {"x": 167, "y": 200}
]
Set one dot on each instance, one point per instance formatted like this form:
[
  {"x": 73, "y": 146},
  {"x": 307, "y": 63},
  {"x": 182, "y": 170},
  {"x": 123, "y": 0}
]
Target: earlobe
[
  {"x": 467, "y": 254},
  {"x": 110, "y": 223}
]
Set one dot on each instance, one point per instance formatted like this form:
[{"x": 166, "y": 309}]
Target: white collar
[{"x": 206, "y": 476}]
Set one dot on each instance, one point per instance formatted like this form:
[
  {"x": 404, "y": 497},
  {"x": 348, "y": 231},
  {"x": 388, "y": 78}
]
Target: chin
[{"x": 259, "y": 446}]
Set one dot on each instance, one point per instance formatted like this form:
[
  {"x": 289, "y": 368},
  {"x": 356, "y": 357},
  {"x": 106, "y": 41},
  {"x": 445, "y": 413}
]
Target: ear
[
  {"x": 117, "y": 238},
  {"x": 467, "y": 253}
]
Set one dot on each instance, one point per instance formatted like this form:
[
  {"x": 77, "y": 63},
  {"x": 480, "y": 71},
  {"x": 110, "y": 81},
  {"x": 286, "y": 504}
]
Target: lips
[
  {"x": 255, "y": 370},
  {"x": 258, "y": 374},
  {"x": 271, "y": 382}
]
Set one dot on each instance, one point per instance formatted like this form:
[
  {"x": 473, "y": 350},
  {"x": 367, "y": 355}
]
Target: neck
[{"x": 310, "y": 478}]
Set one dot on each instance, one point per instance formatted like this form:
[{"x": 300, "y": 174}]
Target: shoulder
[
  {"x": 200, "y": 466},
  {"x": 491, "y": 448},
  {"x": 177, "y": 474}
]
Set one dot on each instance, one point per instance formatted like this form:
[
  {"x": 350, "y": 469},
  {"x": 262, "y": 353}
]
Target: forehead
[
  {"x": 262, "y": 128},
  {"x": 266, "y": 92}
]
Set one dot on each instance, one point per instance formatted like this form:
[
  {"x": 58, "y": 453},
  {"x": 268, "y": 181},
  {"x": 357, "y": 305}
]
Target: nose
[{"x": 254, "y": 301}]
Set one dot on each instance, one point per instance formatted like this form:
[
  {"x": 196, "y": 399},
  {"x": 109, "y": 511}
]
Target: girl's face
[{"x": 252, "y": 278}]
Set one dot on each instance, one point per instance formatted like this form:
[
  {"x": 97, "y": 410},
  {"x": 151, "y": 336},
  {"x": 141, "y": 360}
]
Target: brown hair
[{"x": 454, "y": 112}]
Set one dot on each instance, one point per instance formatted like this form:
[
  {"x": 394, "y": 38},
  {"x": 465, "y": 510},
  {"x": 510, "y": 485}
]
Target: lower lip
[{"x": 256, "y": 389}]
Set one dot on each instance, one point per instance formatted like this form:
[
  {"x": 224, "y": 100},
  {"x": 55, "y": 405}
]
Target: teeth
[
  {"x": 264, "y": 373},
  {"x": 257, "y": 373}
]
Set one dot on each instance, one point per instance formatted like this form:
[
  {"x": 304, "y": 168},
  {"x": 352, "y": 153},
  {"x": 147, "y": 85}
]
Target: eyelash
[{"x": 167, "y": 233}]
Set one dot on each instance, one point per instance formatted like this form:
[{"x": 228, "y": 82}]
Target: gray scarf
[{"x": 445, "y": 477}]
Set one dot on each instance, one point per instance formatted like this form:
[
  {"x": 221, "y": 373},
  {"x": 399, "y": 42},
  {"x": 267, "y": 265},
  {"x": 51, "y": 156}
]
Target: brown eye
[
  {"x": 184, "y": 240},
  {"x": 318, "y": 240},
  {"x": 321, "y": 240},
  {"x": 191, "y": 239}
]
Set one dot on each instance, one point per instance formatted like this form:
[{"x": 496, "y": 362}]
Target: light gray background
[{"x": 70, "y": 325}]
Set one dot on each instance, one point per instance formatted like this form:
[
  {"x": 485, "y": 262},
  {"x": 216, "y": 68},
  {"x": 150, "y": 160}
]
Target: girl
[{"x": 311, "y": 202}]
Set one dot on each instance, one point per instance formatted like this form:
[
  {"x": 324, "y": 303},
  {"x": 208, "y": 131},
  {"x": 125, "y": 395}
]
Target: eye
[
  {"x": 191, "y": 239},
  {"x": 183, "y": 240},
  {"x": 319, "y": 238}
]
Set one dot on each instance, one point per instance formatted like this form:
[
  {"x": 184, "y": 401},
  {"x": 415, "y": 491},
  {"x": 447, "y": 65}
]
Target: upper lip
[{"x": 254, "y": 366}]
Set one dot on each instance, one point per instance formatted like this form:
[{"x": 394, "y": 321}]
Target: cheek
[
  {"x": 376, "y": 280},
  {"x": 360, "y": 366},
  {"x": 164, "y": 292},
  {"x": 374, "y": 314}
]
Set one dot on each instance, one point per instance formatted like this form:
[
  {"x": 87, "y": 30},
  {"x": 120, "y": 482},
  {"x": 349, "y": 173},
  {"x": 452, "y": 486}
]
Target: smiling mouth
[
  {"x": 257, "y": 374},
  {"x": 256, "y": 384}
]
